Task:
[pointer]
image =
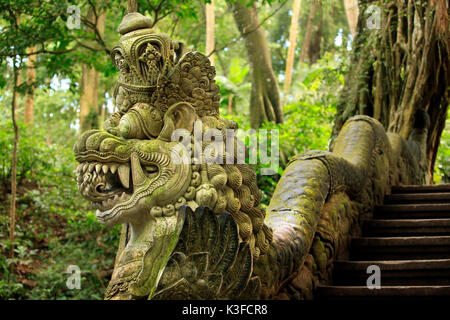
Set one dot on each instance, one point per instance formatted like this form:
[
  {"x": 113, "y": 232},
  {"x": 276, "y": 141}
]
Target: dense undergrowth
[{"x": 54, "y": 229}]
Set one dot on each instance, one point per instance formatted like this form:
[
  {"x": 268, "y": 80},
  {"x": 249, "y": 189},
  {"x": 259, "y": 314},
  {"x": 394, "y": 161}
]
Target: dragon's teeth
[
  {"x": 124, "y": 175},
  {"x": 98, "y": 167},
  {"x": 85, "y": 167},
  {"x": 79, "y": 168},
  {"x": 124, "y": 197},
  {"x": 113, "y": 168},
  {"x": 105, "y": 168},
  {"x": 91, "y": 167}
]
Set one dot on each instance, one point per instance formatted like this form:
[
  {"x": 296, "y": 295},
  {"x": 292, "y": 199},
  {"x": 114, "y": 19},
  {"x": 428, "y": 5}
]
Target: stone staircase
[{"x": 409, "y": 240}]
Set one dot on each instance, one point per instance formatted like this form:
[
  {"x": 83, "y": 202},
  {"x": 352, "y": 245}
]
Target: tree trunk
[
  {"x": 307, "y": 40},
  {"x": 31, "y": 78},
  {"x": 400, "y": 65},
  {"x": 437, "y": 117},
  {"x": 225, "y": 73},
  {"x": 89, "y": 114},
  {"x": 265, "y": 102},
  {"x": 89, "y": 98},
  {"x": 314, "y": 53},
  {"x": 210, "y": 34},
  {"x": 293, "y": 33},
  {"x": 132, "y": 6},
  {"x": 16, "y": 92},
  {"x": 352, "y": 12},
  {"x": 12, "y": 223}
]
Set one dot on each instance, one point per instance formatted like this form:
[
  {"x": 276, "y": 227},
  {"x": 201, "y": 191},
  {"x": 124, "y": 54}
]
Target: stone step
[
  {"x": 386, "y": 292},
  {"x": 409, "y": 240},
  {"x": 406, "y": 227},
  {"x": 398, "y": 198},
  {"x": 421, "y": 188},
  {"x": 413, "y": 211},
  {"x": 400, "y": 248},
  {"x": 400, "y": 272}
]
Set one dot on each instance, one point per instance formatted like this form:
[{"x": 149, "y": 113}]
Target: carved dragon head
[{"x": 134, "y": 174}]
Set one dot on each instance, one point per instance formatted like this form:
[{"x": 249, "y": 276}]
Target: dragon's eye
[{"x": 152, "y": 171}]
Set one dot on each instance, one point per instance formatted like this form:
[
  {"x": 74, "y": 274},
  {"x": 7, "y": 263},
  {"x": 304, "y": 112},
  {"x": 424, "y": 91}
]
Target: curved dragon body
[{"x": 195, "y": 229}]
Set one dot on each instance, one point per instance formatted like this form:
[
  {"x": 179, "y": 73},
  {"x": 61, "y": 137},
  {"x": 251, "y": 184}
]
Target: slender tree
[
  {"x": 31, "y": 78},
  {"x": 89, "y": 111},
  {"x": 12, "y": 223},
  {"x": 352, "y": 11},
  {"x": 293, "y": 33},
  {"x": 308, "y": 35},
  {"x": 210, "y": 32},
  {"x": 265, "y": 101},
  {"x": 225, "y": 73},
  {"x": 132, "y": 6},
  {"x": 315, "y": 47}
]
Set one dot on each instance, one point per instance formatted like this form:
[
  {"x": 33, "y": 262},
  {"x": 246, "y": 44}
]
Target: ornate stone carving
[
  {"x": 131, "y": 174},
  {"x": 194, "y": 229}
]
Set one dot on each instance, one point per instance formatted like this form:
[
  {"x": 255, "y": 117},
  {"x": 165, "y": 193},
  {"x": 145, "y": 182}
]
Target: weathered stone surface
[
  {"x": 360, "y": 171},
  {"x": 137, "y": 176}
]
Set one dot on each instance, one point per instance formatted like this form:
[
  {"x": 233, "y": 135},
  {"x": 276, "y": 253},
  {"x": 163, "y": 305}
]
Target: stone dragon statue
[{"x": 194, "y": 230}]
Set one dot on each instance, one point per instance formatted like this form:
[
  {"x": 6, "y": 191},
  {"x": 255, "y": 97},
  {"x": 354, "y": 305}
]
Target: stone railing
[{"x": 323, "y": 197}]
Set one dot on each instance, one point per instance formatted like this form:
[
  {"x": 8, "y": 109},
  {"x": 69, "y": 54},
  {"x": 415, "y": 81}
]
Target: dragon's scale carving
[{"x": 213, "y": 265}]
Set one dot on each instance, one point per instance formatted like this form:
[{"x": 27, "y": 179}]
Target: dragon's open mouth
[{"x": 105, "y": 184}]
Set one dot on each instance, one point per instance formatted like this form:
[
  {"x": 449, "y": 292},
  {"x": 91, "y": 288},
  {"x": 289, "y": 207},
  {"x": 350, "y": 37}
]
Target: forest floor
[{"x": 50, "y": 237}]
